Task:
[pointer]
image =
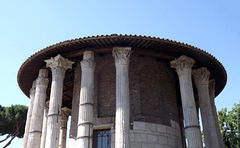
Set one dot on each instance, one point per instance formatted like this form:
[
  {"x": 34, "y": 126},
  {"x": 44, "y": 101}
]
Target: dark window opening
[{"x": 102, "y": 138}]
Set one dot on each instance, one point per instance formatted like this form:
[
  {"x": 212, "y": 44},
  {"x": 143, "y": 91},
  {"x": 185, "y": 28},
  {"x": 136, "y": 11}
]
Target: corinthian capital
[
  {"x": 59, "y": 65},
  {"x": 122, "y": 55},
  {"x": 65, "y": 112},
  {"x": 201, "y": 76},
  {"x": 88, "y": 60},
  {"x": 183, "y": 65}
]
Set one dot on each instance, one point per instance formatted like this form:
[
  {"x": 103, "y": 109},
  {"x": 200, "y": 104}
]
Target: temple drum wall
[
  {"x": 124, "y": 91},
  {"x": 153, "y": 96},
  {"x": 153, "y": 101}
]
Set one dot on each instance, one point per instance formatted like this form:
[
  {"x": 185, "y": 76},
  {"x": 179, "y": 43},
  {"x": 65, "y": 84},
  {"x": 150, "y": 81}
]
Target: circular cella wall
[{"x": 156, "y": 116}]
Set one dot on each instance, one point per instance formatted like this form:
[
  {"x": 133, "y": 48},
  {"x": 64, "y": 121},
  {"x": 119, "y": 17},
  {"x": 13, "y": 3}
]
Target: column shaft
[
  {"x": 201, "y": 79},
  {"x": 75, "y": 105},
  {"x": 214, "y": 110},
  {"x": 35, "y": 130},
  {"x": 85, "y": 120},
  {"x": 122, "y": 118},
  {"x": 29, "y": 114},
  {"x": 44, "y": 134},
  {"x": 54, "y": 111},
  {"x": 63, "y": 127},
  {"x": 183, "y": 66},
  {"x": 191, "y": 122},
  {"x": 58, "y": 66}
]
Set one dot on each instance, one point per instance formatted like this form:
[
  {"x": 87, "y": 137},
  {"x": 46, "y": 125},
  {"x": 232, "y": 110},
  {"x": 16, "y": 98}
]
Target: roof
[{"x": 145, "y": 45}]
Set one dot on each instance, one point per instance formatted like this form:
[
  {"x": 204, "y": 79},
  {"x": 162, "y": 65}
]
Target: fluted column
[
  {"x": 29, "y": 114},
  {"x": 75, "y": 106},
  {"x": 35, "y": 130},
  {"x": 201, "y": 79},
  {"x": 122, "y": 121},
  {"x": 63, "y": 127},
  {"x": 58, "y": 66},
  {"x": 183, "y": 66},
  {"x": 214, "y": 109},
  {"x": 85, "y": 116},
  {"x": 44, "y": 133}
]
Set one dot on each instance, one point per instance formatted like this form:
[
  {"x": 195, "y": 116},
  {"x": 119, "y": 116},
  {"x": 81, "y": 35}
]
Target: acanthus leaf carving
[
  {"x": 122, "y": 55},
  {"x": 59, "y": 64},
  {"x": 183, "y": 65},
  {"x": 201, "y": 76}
]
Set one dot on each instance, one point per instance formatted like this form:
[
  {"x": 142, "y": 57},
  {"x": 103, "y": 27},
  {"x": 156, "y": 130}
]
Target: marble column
[
  {"x": 63, "y": 127},
  {"x": 29, "y": 114},
  {"x": 75, "y": 106},
  {"x": 85, "y": 117},
  {"x": 35, "y": 130},
  {"x": 183, "y": 66},
  {"x": 122, "y": 117},
  {"x": 58, "y": 65},
  {"x": 44, "y": 133},
  {"x": 201, "y": 80},
  {"x": 214, "y": 109}
]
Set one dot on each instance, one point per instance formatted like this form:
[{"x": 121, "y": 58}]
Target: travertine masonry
[
  {"x": 75, "y": 106},
  {"x": 29, "y": 114},
  {"x": 201, "y": 79},
  {"x": 85, "y": 116},
  {"x": 183, "y": 66},
  {"x": 58, "y": 66},
  {"x": 122, "y": 120},
  {"x": 35, "y": 129},
  {"x": 152, "y": 135},
  {"x": 44, "y": 133}
]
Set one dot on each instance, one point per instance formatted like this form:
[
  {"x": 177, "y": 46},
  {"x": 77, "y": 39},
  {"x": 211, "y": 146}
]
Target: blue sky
[{"x": 28, "y": 26}]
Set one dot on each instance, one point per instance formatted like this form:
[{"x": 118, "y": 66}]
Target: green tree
[
  {"x": 229, "y": 125},
  {"x": 12, "y": 122}
]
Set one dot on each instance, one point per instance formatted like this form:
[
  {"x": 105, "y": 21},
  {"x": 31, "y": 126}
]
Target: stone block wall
[{"x": 152, "y": 135}]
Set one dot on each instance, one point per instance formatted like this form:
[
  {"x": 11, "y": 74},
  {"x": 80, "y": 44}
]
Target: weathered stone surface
[
  {"x": 35, "y": 129},
  {"x": 85, "y": 117},
  {"x": 183, "y": 66},
  {"x": 122, "y": 120},
  {"x": 201, "y": 79},
  {"x": 63, "y": 127},
  {"x": 44, "y": 133},
  {"x": 147, "y": 138},
  {"x": 58, "y": 67},
  {"x": 29, "y": 114},
  {"x": 75, "y": 106},
  {"x": 214, "y": 109},
  {"x": 139, "y": 126}
]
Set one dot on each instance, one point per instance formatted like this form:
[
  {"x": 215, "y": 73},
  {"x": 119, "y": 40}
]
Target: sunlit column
[
  {"x": 183, "y": 66},
  {"x": 35, "y": 130},
  {"x": 122, "y": 121},
  {"x": 58, "y": 65},
  {"x": 75, "y": 106},
  {"x": 29, "y": 114},
  {"x": 63, "y": 127},
  {"x": 201, "y": 79},
  {"x": 85, "y": 117},
  {"x": 44, "y": 133},
  {"x": 214, "y": 109}
]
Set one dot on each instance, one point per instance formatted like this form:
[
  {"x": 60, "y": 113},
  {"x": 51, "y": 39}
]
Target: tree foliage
[
  {"x": 12, "y": 122},
  {"x": 229, "y": 123}
]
